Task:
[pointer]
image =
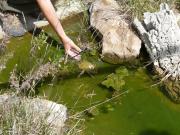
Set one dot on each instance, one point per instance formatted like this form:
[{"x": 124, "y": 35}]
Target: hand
[{"x": 71, "y": 49}]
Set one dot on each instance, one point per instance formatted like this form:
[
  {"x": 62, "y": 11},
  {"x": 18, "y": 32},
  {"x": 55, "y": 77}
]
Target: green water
[{"x": 144, "y": 110}]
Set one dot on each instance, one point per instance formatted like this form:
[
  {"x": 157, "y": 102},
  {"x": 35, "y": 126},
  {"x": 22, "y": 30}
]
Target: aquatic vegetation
[
  {"x": 107, "y": 108},
  {"x": 4, "y": 59},
  {"x": 41, "y": 49},
  {"x": 115, "y": 80},
  {"x": 39, "y": 42}
]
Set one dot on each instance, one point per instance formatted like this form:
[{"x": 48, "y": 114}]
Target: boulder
[
  {"x": 119, "y": 42},
  {"x": 55, "y": 114},
  {"x": 12, "y": 25},
  {"x": 161, "y": 34}
]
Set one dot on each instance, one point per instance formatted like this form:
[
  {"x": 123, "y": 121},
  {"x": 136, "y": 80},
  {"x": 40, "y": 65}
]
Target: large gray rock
[
  {"x": 12, "y": 25},
  {"x": 161, "y": 34},
  {"x": 55, "y": 114},
  {"x": 119, "y": 42}
]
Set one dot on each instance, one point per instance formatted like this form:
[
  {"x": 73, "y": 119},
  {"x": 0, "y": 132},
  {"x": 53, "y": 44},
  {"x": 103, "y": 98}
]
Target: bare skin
[{"x": 48, "y": 10}]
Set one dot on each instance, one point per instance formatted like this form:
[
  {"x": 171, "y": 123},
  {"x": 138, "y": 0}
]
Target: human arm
[{"x": 50, "y": 14}]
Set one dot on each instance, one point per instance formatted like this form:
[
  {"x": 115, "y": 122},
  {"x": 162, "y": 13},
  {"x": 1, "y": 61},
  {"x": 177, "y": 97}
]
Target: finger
[
  {"x": 76, "y": 47},
  {"x": 74, "y": 55}
]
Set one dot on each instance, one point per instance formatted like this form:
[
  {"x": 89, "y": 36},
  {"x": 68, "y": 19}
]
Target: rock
[
  {"x": 119, "y": 42},
  {"x": 12, "y": 25},
  {"x": 161, "y": 34},
  {"x": 64, "y": 9},
  {"x": 4, "y": 6},
  {"x": 68, "y": 8},
  {"x": 1, "y": 33},
  {"x": 177, "y": 14},
  {"x": 57, "y": 113}
]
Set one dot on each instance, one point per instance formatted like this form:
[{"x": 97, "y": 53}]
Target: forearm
[{"x": 50, "y": 14}]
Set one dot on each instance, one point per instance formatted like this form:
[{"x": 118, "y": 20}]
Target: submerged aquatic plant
[{"x": 116, "y": 80}]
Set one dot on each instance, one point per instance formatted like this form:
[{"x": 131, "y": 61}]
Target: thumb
[{"x": 76, "y": 47}]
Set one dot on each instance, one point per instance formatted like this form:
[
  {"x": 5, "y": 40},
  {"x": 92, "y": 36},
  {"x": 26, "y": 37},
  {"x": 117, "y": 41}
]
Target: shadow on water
[{"x": 154, "y": 132}]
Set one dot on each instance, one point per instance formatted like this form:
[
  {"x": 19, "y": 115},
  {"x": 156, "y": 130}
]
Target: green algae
[{"x": 116, "y": 80}]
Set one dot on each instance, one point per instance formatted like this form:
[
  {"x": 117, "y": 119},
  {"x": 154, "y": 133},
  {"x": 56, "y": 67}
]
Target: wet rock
[
  {"x": 119, "y": 42},
  {"x": 56, "y": 113},
  {"x": 161, "y": 34}
]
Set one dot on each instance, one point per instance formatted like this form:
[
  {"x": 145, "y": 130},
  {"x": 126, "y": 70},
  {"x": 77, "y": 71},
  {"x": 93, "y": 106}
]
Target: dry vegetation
[
  {"x": 136, "y": 8},
  {"x": 16, "y": 120}
]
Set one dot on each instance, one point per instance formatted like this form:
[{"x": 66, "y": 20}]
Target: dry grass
[
  {"x": 136, "y": 8},
  {"x": 15, "y": 120}
]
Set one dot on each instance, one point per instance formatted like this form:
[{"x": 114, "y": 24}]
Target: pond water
[{"x": 143, "y": 110}]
